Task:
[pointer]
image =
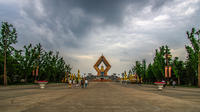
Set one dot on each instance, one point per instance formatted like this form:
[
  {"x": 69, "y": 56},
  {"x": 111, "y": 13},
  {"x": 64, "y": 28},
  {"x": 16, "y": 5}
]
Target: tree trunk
[
  {"x": 199, "y": 70},
  {"x": 179, "y": 82},
  {"x": 5, "y": 75},
  {"x": 25, "y": 80}
]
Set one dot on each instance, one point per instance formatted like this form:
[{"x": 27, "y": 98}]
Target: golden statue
[
  {"x": 79, "y": 75},
  {"x": 125, "y": 76},
  {"x": 102, "y": 68}
]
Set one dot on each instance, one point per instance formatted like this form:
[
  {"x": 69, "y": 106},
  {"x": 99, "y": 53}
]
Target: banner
[
  {"x": 166, "y": 71},
  {"x": 170, "y": 68}
]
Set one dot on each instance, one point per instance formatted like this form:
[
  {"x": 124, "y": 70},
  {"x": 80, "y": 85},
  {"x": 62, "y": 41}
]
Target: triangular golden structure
[{"x": 108, "y": 66}]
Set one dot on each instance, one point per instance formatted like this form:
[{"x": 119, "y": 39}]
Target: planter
[
  {"x": 160, "y": 85},
  {"x": 42, "y": 84}
]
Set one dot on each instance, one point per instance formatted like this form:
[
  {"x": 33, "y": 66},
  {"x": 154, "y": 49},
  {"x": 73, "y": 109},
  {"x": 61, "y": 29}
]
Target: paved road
[{"x": 99, "y": 97}]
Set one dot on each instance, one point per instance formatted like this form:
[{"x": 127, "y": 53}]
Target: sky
[{"x": 124, "y": 31}]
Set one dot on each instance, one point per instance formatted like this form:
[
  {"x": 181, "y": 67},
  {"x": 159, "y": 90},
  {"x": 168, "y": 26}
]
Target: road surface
[{"x": 100, "y": 97}]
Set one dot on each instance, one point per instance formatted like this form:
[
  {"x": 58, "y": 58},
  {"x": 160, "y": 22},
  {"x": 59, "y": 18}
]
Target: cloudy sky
[{"x": 122, "y": 30}]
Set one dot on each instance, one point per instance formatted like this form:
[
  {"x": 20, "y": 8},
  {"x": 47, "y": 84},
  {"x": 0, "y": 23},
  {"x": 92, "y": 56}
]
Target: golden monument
[
  {"x": 102, "y": 72},
  {"x": 79, "y": 77},
  {"x": 125, "y": 76}
]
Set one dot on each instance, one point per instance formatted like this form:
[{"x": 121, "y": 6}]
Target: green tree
[
  {"x": 177, "y": 68},
  {"x": 192, "y": 56},
  {"x": 159, "y": 63},
  {"x": 28, "y": 61},
  {"x": 7, "y": 38},
  {"x": 150, "y": 77},
  {"x": 144, "y": 69},
  {"x": 138, "y": 69}
]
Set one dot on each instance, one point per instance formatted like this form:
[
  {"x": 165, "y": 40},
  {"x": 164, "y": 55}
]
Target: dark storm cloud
[
  {"x": 112, "y": 13},
  {"x": 74, "y": 17},
  {"x": 126, "y": 30}
]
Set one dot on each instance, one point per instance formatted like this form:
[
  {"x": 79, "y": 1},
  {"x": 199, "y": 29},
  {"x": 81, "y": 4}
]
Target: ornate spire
[{"x": 107, "y": 65}]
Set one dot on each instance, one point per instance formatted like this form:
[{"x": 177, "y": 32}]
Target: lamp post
[{"x": 167, "y": 67}]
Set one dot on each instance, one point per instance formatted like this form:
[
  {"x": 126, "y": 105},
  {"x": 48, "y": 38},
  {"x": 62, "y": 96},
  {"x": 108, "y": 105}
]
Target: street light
[{"x": 167, "y": 67}]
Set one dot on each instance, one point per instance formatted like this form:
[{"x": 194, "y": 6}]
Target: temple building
[{"x": 102, "y": 73}]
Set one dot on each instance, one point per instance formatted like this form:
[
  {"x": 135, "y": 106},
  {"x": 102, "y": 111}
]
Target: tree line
[
  {"x": 31, "y": 63},
  {"x": 184, "y": 72}
]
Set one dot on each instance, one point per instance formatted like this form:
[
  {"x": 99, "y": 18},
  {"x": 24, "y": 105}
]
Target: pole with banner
[
  {"x": 165, "y": 71},
  {"x": 170, "y": 69},
  {"x": 167, "y": 67}
]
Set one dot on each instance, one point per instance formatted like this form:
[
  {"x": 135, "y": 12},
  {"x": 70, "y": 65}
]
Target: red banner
[
  {"x": 166, "y": 71},
  {"x": 170, "y": 68}
]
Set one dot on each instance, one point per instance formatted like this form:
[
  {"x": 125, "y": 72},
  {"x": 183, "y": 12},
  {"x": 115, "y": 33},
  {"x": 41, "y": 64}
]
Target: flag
[
  {"x": 166, "y": 71},
  {"x": 74, "y": 76},
  {"x": 170, "y": 68},
  {"x": 70, "y": 76}
]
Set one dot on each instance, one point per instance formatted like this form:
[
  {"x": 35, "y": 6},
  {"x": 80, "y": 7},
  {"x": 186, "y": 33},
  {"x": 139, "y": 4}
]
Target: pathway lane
[{"x": 99, "y": 97}]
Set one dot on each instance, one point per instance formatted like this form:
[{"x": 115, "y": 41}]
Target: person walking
[
  {"x": 174, "y": 84},
  {"x": 70, "y": 83},
  {"x": 74, "y": 83},
  {"x": 164, "y": 82},
  {"x": 77, "y": 83},
  {"x": 82, "y": 83},
  {"x": 86, "y": 83},
  {"x": 66, "y": 82}
]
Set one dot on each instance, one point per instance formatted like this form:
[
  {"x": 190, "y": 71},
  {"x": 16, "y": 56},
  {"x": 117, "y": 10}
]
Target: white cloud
[
  {"x": 190, "y": 11},
  {"x": 181, "y": 8},
  {"x": 161, "y": 18},
  {"x": 40, "y": 12},
  {"x": 85, "y": 57}
]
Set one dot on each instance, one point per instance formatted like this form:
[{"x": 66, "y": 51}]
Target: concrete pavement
[{"x": 99, "y": 97}]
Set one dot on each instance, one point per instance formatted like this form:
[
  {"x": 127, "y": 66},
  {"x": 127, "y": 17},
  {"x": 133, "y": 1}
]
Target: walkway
[{"x": 99, "y": 97}]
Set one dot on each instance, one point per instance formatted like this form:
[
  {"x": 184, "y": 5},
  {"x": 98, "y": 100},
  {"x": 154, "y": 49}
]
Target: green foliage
[
  {"x": 192, "y": 56},
  {"x": 154, "y": 71},
  {"x": 8, "y": 36},
  {"x": 140, "y": 68},
  {"x": 52, "y": 67},
  {"x": 149, "y": 74},
  {"x": 159, "y": 63},
  {"x": 177, "y": 67},
  {"x": 183, "y": 72},
  {"x": 21, "y": 63}
]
